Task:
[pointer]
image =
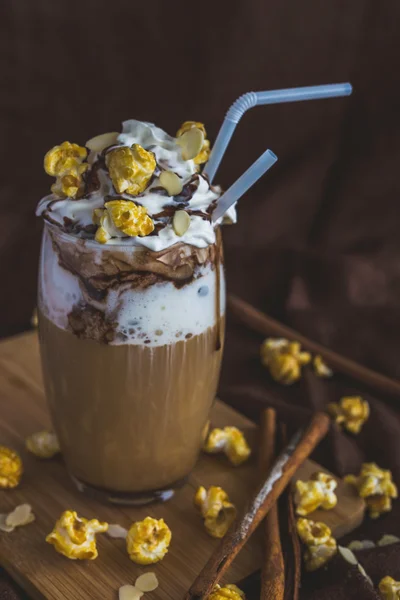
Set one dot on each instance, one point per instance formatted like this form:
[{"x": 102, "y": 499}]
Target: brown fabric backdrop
[{"x": 316, "y": 244}]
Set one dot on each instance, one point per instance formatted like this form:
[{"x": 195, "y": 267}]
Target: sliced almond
[
  {"x": 191, "y": 143},
  {"x": 147, "y": 582},
  {"x": 22, "y": 515},
  {"x": 116, "y": 531},
  {"x": 360, "y": 545},
  {"x": 99, "y": 142},
  {"x": 4, "y": 526},
  {"x": 348, "y": 555},
  {"x": 181, "y": 222},
  {"x": 388, "y": 539},
  {"x": 171, "y": 182},
  {"x": 129, "y": 592}
]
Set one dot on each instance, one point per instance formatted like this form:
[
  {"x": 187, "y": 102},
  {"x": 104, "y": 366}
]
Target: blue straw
[
  {"x": 242, "y": 104},
  {"x": 245, "y": 181}
]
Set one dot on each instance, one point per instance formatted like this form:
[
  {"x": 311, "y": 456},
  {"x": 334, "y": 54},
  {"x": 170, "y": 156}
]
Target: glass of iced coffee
[{"x": 131, "y": 307}]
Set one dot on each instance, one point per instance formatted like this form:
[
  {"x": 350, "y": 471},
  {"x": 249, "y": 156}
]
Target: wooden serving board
[{"x": 46, "y": 486}]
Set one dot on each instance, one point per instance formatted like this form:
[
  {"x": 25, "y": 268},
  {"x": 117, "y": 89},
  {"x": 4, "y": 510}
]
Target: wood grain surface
[{"x": 46, "y": 486}]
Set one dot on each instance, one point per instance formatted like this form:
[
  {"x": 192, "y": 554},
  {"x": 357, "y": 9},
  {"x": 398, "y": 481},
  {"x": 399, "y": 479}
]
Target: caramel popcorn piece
[
  {"x": 148, "y": 541},
  {"x": 229, "y": 440},
  {"x": 352, "y": 412},
  {"x": 376, "y": 486},
  {"x": 66, "y": 163},
  {"x": 389, "y": 588},
  {"x": 43, "y": 444},
  {"x": 204, "y": 153},
  {"x": 130, "y": 218},
  {"x": 320, "y": 545},
  {"x": 75, "y": 537},
  {"x": 284, "y": 359},
  {"x": 130, "y": 168},
  {"x": 218, "y": 513},
  {"x": 124, "y": 216},
  {"x": 10, "y": 468},
  {"x": 321, "y": 369},
  {"x": 227, "y": 592},
  {"x": 315, "y": 493}
]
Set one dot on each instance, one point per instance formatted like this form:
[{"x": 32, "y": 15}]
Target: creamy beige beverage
[{"x": 131, "y": 307}]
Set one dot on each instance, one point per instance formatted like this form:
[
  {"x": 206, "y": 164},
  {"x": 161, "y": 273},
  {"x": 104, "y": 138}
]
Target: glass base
[{"x": 128, "y": 498}]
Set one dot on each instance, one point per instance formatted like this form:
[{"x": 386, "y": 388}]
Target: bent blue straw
[
  {"x": 242, "y": 104},
  {"x": 245, "y": 181}
]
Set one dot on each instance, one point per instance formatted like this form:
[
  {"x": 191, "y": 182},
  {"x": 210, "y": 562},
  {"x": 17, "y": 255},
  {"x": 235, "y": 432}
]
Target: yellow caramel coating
[
  {"x": 130, "y": 168},
  {"x": 43, "y": 444},
  {"x": 227, "y": 592},
  {"x": 320, "y": 545},
  {"x": 216, "y": 509},
  {"x": 318, "y": 492},
  {"x": 10, "y": 468},
  {"x": 229, "y": 440},
  {"x": 130, "y": 218},
  {"x": 204, "y": 153},
  {"x": 389, "y": 588},
  {"x": 284, "y": 359},
  {"x": 351, "y": 412},
  {"x": 75, "y": 537},
  {"x": 66, "y": 163},
  {"x": 148, "y": 541},
  {"x": 64, "y": 158},
  {"x": 376, "y": 486}
]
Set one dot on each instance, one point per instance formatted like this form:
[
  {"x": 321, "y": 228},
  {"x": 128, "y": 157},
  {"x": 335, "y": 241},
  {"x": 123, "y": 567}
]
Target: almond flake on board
[
  {"x": 129, "y": 592},
  {"x": 147, "y": 582},
  {"x": 21, "y": 515},
  {"x": 117, "y": 531},
  {"x": 3, "y": 526}
]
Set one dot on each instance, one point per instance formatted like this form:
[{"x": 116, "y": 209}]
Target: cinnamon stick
[
  {"x": 293, "y": 557},
  {"x": 273, "y": 569},
  {"x": 258, "y": 321},
  {"x": 265, "y": 497}
]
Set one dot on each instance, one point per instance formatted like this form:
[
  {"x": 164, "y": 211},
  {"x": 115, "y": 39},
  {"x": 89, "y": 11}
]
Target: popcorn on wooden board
[
  {"x": 10, "y": 468},
  {"x": 284, "y": 359},
  {"x": 317, "y": 492},
  {"x": 389, "y": 588},
  {"x": 43, "y": 444},
  {"x": 230, "y": 441},
  {"x": 216, "y": 509},
  {"x": 376, "y": 486},
  {"x": 148, "y": 541},
  {"x": 320, "y": 545},
  {"x": 226, "y": 592},
  {"x": 351, "y": 412},
  {"x": 204, "y": 153},
  {"x": 75, "y": 537},
  {"x": 66, "y": 163},
  {"x": 130, "y": 169}
]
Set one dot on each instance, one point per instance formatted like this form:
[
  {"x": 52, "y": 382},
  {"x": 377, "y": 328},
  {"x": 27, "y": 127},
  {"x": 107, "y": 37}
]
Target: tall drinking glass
[{"x": 131, "y": 346}]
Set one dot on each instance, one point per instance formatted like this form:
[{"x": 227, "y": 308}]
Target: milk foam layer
[{"x": 159, "y": 314}]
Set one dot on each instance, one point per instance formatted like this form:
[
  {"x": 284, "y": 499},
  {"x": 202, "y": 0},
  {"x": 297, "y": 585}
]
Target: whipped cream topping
[{"x": 197, "y": 198}]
